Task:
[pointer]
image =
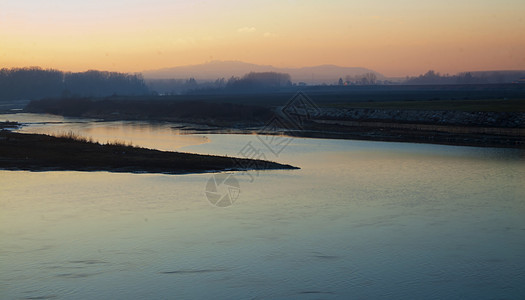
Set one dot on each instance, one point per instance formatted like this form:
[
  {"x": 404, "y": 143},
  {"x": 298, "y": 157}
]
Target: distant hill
[{"x": 218, "y": 69}]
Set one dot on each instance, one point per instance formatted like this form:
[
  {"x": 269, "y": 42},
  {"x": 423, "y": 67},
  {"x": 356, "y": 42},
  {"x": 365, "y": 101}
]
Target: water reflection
[
  {"x": 162, "y": 136},
  {"x": 364, "y": 220}
]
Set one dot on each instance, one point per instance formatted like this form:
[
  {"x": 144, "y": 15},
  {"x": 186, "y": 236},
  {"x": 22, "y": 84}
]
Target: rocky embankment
[
  {"x": 466, "y": 128},
  {"x": 441, "y": 117}
]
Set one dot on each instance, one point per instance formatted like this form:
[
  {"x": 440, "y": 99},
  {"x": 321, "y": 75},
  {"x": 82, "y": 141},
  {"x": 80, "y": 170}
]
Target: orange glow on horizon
[{"x": 396, "y": 40}]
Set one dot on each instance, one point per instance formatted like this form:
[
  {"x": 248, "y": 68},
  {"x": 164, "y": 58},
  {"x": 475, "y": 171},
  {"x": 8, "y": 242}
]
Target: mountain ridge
[{"x": 326, "y": 73}]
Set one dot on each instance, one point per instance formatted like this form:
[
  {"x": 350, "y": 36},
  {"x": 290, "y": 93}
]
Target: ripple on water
[{"x": 196, "y": 271}]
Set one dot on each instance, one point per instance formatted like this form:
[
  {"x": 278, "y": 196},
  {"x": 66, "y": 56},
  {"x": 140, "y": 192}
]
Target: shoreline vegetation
[{"x": 38, "y": 152}]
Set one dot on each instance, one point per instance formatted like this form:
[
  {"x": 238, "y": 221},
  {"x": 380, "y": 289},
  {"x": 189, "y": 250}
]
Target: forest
[{"x": 37, "y": 83}]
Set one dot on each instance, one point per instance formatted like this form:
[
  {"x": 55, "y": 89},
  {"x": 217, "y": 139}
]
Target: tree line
[
  {"x": 254, "y": 81},
  {"x": 37, "y": 83},
  {"x": 262, "y": 80},
  {"x": 479, "y": 77}
]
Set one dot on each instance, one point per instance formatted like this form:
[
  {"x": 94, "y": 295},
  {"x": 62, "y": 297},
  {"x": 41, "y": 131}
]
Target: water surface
[{"x": 361, "y": 220}]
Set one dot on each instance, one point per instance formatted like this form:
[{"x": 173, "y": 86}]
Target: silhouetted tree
[
  {"x": 263, "y": 80},
  {"x": 369, "y": 78},
  {"x": 96, "y": 84},
  {"x": 30, "y": 83},
  {"x": 35, "y": 83},
  {"x": 480, "y": 77},
  {"x": 363, "y": 79}
]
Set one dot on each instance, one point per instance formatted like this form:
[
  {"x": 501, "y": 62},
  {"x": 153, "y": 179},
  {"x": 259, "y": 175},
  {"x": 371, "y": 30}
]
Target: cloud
[
  {"x": 269, "y": 35},
  {"x": 246, "y": 29}
]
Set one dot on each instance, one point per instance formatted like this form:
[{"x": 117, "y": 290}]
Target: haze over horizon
[{"x": 398, "y": 38}]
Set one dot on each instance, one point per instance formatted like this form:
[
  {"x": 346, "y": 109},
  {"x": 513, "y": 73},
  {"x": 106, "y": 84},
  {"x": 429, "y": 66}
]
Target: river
[{"x": 359, "y": 220}]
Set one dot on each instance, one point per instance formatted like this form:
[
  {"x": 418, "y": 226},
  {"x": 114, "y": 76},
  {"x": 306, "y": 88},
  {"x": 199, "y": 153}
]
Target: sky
[{"x": 396, "y": 38}]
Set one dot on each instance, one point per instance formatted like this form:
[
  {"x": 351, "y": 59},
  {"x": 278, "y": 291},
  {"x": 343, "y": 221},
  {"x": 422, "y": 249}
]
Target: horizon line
[{"x": 261, "y": 65}]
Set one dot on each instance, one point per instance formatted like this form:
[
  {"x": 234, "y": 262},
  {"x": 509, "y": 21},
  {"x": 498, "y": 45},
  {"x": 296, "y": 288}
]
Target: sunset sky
[{"x": 396, "y": 38}]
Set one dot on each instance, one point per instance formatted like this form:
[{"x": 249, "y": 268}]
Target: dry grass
[
  {"x": 74, "y": 136},
  {"x": 71, "y": 135},
  {"x": 18, "y": 152},
  {"x": 120, "y": 143}
]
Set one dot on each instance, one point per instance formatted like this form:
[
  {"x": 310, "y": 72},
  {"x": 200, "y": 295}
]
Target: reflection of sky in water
[
  {"x": 151, "y": 135},
  {"x": 360, "y": 219}
]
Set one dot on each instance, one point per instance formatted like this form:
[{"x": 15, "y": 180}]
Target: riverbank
[
  {"x": 37, "y": 152},
  {"x": 501, "y": 129},
  {"x": 464, "y": 123},
  {"x": 480, "y": 123},
  {"x": 385, "y": 132}
]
